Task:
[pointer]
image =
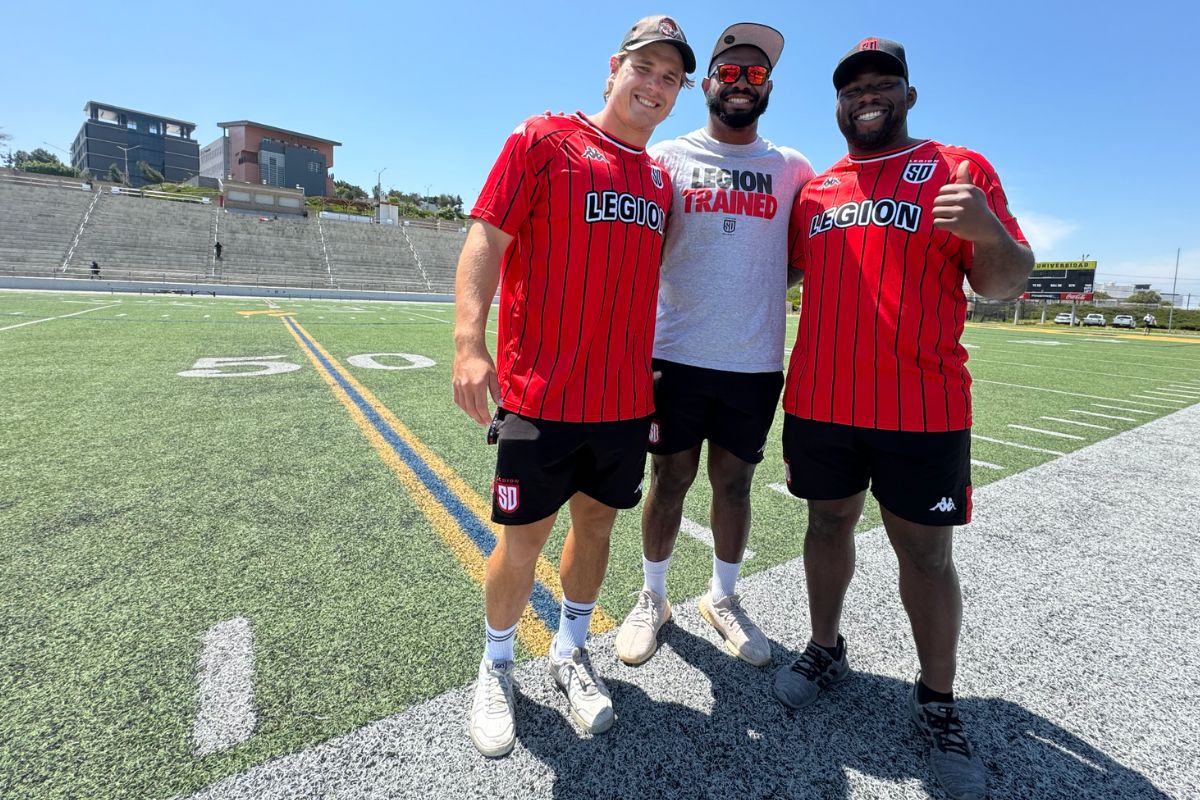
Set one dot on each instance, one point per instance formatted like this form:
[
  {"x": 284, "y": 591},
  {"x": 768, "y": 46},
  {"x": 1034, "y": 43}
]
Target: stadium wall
[{"x": 214, "y": 289}]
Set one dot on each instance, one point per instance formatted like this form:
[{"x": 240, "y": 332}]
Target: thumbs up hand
[{"x": 961, "y": 208}]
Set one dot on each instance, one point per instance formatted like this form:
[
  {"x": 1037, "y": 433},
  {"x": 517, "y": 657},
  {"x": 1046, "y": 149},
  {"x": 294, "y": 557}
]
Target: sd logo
[
  {"x": 508, "y": 495},
  {"x": 919, "y": 171}
]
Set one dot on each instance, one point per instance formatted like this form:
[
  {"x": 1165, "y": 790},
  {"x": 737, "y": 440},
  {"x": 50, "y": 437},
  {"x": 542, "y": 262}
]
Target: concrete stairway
[{"x": 37, "y": 225}]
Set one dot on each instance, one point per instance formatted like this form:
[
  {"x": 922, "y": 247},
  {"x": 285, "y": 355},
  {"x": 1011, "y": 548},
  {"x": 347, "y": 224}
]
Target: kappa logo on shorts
[
  {"x": 656, "y": 176},
  {"x": 655, "y": 433},
  {"x": 919, "y": 171},
  {"x": 945, "y": 505},
  {"x": 592, "y": 154},
  {"x": 508, "y": 494}
]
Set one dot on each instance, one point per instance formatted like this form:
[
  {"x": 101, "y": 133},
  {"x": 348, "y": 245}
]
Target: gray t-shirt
[{"x": 723, "y": 291}]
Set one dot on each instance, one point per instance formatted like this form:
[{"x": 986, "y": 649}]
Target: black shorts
[
  {"x": 731, "y": 409},
  {"x": 540, "y": 464},
  {"x": 921, "y": 477}
]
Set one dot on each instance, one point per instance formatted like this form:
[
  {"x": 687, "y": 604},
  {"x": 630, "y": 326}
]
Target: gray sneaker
[
  {"x": 958, "y": 768},
  {"x": 798, "y": 685},
  {"x": 637, "y": 638},
  {"x": 587, "y": 696},
  {"x": 492, "y": 723}
]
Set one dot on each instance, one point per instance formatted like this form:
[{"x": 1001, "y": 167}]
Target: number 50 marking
[
  {"x": 229, "y": 367},
  {"x": 253, "y": 366}
]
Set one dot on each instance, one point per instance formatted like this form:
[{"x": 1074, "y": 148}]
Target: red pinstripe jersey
[
  {"x": 878, "y": 344},
  {"x": 579, "y": 282}
]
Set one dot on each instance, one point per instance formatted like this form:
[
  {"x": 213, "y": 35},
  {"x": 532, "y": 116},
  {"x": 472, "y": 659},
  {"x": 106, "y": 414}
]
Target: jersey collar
[
  {"x": 884, "y": 156},
  {"x": 608, "y": 136}
]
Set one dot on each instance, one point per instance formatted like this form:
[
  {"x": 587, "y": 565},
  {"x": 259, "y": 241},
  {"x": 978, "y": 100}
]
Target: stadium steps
[
  {"x": 135, "y": 238},
  {"x": 39, "y": 224}
]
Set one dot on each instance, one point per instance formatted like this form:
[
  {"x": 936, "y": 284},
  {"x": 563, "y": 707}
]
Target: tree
[
  {"x": 1099, "y": 295},
  {"x": 1145, "y": 296},
  {"x": 150, "y": 173},
  {"x": 348, "y": 191},
  {"x": 115, "y": 175},
  {"x": 44, "y": 156}
]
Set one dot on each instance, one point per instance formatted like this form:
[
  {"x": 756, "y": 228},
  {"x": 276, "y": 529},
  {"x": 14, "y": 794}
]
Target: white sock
[
  {"x": 499, "y": 645},
  {"x": 655, "y": 575},
  {"x": 573, "y": 621},
  {"x": 724, "y": 579}
]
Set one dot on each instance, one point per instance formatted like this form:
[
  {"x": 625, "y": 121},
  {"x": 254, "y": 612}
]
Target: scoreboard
[{"x": 1061, "y": 280}]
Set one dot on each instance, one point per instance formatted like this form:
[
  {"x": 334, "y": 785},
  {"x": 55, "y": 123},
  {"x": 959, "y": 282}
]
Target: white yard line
[
  {"x": 60, "y": 316},
  {"x": 703, "y": 534},
  {"x": 1098, "y": 414},
  {"x": 1058, "y": 368},
  {"x": 1018, "y": 445},
  {"x": 225, "y": 701},
  {"x": 1058, "y": 391},
  {"x": 446, "y": 321},
  {"x": 986, "y": 464},
  {"x": 1182, "y": 389},
  {"x": 1126, "y": 410},
  {"x": 1173, "y": 393},
  {"x": 1160, "y": 402},
  {"x": 1080, "y": 424},
  {"x": 1048, "y": 433}
]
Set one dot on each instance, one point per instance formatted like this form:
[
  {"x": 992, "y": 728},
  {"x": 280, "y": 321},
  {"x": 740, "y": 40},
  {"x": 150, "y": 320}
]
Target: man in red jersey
[
  {"x": 570, "y": 224},
  {"x": 877, "y": 391}
]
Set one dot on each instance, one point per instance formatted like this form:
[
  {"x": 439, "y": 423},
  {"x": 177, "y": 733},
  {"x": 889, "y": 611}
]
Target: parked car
[
  {"x": 1092, "y": 320},
  {"x": 1063, "y": 318},
  {"x": 1124, "y": 321}
]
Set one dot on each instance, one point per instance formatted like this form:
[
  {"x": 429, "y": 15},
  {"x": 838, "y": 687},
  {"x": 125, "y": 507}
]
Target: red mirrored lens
[{"x": 729, "y": 73}]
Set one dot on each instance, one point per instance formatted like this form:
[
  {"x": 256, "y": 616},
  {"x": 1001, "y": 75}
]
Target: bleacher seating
[
  {"x": 152, "y": 239},
  {"x": 38, "y": 223},
  {"x": 275, "y": 252},
  {"x": 392, "y": 257},
  {"x": 138, "y": 238}
]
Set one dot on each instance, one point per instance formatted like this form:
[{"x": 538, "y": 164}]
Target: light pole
[
  {"x": 126, "y": 150},
  {"x": 379, "y": 184},
  {"x": 1174, "y": 297}
]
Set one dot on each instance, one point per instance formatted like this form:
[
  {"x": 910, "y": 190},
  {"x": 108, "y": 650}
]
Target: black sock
[
  {"x": 837, "y": 650},
  {"x": 927, "y": 695}
]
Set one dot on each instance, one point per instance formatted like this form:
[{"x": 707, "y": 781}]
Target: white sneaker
[
  {"x": 637, "y": 638},
  {"x": 587, "y": 696},
  {"x": 492, "y": 722},
  {"x": 742, "y": 637}
]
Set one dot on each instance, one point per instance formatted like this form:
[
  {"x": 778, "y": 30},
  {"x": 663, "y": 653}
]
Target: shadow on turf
[{"x": 750, "y": 746}]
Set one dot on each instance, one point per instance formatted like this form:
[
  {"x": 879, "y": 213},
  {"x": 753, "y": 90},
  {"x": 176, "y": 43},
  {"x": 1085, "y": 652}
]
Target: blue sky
[{"x": 1086, "y": 113}]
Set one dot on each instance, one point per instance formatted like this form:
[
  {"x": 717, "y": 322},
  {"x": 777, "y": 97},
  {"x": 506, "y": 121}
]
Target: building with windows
[
  {"x": 252, "y": 152},
  {"x": 112, "y": 135}
]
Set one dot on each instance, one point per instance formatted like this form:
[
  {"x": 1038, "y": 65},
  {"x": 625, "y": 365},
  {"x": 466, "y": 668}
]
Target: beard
[
  {"x": 889, "y": 131},
  {"x": 742, "y": 118}
]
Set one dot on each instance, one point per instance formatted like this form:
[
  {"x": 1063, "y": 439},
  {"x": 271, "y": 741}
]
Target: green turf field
[{"x": 139, "y": 508}]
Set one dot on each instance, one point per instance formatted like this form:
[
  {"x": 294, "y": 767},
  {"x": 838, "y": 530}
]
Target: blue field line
[{"x": 542, "y": 600}]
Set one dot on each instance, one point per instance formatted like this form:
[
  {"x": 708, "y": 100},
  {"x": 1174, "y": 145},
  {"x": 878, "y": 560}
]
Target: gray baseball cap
[{"x": 764, "y": 37}]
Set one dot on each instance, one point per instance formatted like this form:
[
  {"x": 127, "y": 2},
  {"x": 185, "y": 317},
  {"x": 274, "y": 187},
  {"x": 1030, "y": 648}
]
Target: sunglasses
[{"x": 729, "y": 73}]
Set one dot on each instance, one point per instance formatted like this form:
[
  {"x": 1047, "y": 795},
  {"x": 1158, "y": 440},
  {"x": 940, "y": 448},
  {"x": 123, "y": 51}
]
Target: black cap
[
  {"x": 883, "y": 55},
  {"x": 764, "y": 37},
  {"x": 659, "y": 28}
]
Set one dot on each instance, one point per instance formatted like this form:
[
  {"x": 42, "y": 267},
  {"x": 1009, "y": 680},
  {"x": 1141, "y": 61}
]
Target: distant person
[
  {"x": 218, "y": 247},
  {"x": 878, "y": 394},
  {"x": 570, "y": 225},
  {"x": 95, "y": 270},
  {"x": 1149, "y": 322}
]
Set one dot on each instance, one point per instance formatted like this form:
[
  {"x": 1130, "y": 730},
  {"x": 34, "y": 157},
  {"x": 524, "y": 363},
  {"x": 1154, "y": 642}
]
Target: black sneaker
[
  {"x": 958, "y": 768},
  {"x": 798, "y": 685}
]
